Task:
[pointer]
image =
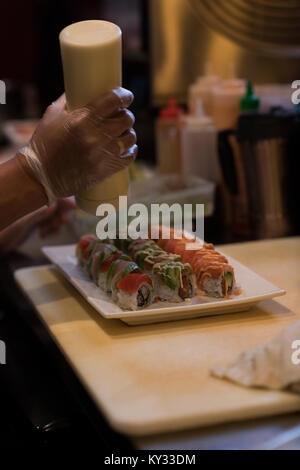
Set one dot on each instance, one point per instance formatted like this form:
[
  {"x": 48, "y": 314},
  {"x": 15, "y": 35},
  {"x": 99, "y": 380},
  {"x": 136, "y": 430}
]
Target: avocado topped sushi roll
[{"x": 173, "y": 281}]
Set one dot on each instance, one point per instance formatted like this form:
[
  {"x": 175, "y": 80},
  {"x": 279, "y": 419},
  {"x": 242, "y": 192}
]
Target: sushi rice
[{"x": 114, "y": 271}]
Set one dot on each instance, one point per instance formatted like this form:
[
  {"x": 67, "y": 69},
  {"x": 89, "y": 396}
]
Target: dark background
[{"x": 30, "y": 54}]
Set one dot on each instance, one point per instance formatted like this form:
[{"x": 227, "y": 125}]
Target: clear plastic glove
[
  {"x": 55, "y": 216},
  {"x": 71, "y": 151},
  {"x": 47, "y": 219}
]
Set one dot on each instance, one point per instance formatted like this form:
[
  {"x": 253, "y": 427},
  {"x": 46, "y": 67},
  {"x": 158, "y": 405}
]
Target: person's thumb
[{"x": 58, "y": 106}]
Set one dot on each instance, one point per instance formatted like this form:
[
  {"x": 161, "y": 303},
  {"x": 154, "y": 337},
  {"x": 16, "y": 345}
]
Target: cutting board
[{"x": 155, "y": 378}]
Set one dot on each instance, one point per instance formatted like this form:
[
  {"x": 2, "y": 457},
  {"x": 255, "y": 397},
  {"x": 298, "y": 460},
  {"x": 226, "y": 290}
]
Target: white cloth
[{"x": 275, "y": 365}]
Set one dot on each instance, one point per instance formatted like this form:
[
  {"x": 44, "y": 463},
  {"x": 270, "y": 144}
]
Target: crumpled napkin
[{"x": 275, "y": 365}]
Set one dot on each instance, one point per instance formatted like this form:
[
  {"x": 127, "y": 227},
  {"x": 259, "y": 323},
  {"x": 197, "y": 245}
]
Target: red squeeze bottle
[{"x": 168, "y": 138}]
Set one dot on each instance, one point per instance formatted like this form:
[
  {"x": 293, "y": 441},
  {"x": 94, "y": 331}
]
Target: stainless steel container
[{"x": 258, "y": 174}]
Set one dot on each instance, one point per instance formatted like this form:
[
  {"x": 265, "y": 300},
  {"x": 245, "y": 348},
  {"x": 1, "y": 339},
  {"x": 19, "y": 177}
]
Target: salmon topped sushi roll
[
  {"x": 214, "y": 275},
  {"x": 82, "y": 248}
]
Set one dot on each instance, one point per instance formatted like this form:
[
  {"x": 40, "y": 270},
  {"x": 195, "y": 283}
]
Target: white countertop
[{"x": 155, "y": 378}]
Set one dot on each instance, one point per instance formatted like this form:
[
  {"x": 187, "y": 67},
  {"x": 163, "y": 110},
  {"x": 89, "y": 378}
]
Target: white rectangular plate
[{"x": 254, "y": 289}]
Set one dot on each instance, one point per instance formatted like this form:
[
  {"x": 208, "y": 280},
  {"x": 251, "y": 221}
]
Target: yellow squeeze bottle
[{"x": 92, "y": 64}]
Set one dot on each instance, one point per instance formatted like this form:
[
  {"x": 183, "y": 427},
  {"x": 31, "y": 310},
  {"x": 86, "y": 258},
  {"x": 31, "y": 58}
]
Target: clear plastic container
[
  {"x": 227, "y": 103},
  {"x": 199, "y": 145},
  {"x": 203, "y": 89}
]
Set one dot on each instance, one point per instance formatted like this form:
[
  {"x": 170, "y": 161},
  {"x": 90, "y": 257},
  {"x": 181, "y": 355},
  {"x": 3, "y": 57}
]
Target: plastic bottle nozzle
[
  {"x": 172, "y": 110},
  {"x": 250, "y": 102},
  {"x": 199, "y": 111},
  {"x": 199, "y": 119}
]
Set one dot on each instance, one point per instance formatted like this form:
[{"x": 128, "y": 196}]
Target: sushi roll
[
  {"x": 121, "y": 264},
  {"x": 214, "y": 275},
  {"x": 146, "y": 253},
  {"x": 94, "y": 246},
  {"x": 148, "y": 260},
  {"x": 141, "y": 244},
  {"x": 115, "y": 272},
  {"x": 82, "y": 249},
  {"x": 103, "y": 268},
  {"x": 173, "y": 281},
  {"x": 133, "y": 290},
  {"x": 100, "y": 253},
  {"x": 122, "y": 244}
]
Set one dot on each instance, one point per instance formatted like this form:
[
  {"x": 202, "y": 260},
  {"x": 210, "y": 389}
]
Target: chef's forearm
[{"x": 20, "y": 194}]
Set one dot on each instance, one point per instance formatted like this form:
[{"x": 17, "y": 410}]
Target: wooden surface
[{"x": 155, "y": 378}]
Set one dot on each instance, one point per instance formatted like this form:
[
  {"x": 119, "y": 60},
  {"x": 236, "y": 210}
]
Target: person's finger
[
  {"x": 121, "y": 144},
  {"x": 50, "y": 226},
  {"x": 109, "y": 103},
  {"x": 64, "y": 218},
  {"x": 130, "y": 155},
  {"x": 43, "y": 214},
  {"x": 56, "y": 223},
  {"x": 124, "y": 96},
  {"x": 126, "y": 141},
  {"x": 94, "y": 132},
  {"x": 43, "y": 231},
  {"x": 58, "y": 106},
  {"x": 117, "y": 125},
  {"x": 115, "y": 163},
  {"x": 66, "y": 204},
  {"x": 61, "y": 102}
]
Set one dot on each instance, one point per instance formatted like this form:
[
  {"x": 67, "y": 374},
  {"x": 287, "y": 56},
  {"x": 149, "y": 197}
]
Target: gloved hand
[
  {"x": 47, "y": 219},
  {"x": 71, "y": 151}
]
